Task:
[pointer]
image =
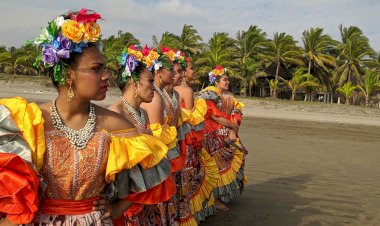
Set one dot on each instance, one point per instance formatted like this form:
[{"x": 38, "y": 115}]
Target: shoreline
[{"x": 256, "y": 108}]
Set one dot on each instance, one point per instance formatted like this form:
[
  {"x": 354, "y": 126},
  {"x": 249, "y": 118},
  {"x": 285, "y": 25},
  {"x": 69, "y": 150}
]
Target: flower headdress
[
  {"x": 130, "y": 60},
  {"x": 164, "y": 54},
  {"x": 64, "y": 36},
  {"x": 218, "y": 71},
  {"x": 180, "y": 57}
]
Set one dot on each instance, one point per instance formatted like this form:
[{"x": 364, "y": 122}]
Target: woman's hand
[
  {"x": 232, "y": 137},
  {"x": 109, "y": 209},
  {"x": 5, "y": 222}
]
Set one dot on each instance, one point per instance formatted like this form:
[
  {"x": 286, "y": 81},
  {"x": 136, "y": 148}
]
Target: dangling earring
[
  {"x": 160, "y": 79},
  {"x": 136, "y": 93},
  {"x": 70, "y": 94}
]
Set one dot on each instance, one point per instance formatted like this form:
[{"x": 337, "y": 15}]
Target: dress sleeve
[
  {"x": 138, "y": 170},
  {"x": 22, "y": 147}
]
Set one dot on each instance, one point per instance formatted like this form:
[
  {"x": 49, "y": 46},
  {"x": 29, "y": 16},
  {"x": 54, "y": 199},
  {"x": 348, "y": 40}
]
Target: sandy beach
[{"x": 309, "y": 163}]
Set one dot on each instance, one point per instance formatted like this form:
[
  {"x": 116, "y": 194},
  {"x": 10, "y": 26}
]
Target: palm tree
[
  {"x": 248, "y": 45},
  {"x": 371, "y": 84},
  {"x": 301, "y": 79},
  {"x": 167, "y": 39},
  {"x": 219, "y": 50},
  {"x": 274, "y": 85},
  {"x": 281, "y": 50},
  {"x": 354, "y": 53},
  {"x": 317, "y": 47},
  {"x": 190, "y": 40},
  {"x": 347, "y": 90}
]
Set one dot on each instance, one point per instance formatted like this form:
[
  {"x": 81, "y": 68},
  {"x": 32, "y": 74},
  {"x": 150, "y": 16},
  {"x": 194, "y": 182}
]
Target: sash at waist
[{"x": 67, "y": 206}]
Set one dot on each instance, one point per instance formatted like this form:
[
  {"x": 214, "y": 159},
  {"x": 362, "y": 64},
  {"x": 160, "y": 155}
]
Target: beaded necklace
[
  {"x": 139, "y": 118},
  {"x": 78, "y": 138}
]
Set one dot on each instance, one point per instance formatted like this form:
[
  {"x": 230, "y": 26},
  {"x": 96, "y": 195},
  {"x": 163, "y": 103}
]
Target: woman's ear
[{"x": 70, "y": 75}]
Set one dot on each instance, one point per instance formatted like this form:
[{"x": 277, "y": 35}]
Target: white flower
[
  {"x": 59, "y": 21},
  {"x": 127, "y": 71},
  {"x": 44, "y": 37},
  {"x": 157, "y": 65},
  {"x": 177, "y": 54}
]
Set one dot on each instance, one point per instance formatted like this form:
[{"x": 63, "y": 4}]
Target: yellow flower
[
  {"x": 171, "y": 55},
  {"x": 135, "y": 53},
  {"x": 92, "y": 32},
  {"x": 153, "y": 55},
  {"x": 72, "y": 30}
]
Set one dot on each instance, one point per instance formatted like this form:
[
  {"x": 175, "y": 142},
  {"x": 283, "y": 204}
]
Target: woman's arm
[{"x": 225, "y": 122}]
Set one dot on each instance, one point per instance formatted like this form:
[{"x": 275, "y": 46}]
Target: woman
[
  {"x": 201, "y": 166},
  {"x": 136, "y": 84},
  {"x": 87, "y": 146},
  {"x": 221, "y": 137}
]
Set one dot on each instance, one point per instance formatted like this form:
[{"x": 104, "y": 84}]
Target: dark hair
[
  {"x": 71, "y": 62},
  {"x": 123, "y": 84}
]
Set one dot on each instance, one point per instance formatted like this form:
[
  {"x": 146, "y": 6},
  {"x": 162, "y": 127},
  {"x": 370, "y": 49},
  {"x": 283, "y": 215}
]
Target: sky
[{"x": 22, "y": 20}]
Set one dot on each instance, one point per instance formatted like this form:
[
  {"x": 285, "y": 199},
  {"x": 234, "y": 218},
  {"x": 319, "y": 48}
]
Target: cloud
[{"x": 20, "y": 20}]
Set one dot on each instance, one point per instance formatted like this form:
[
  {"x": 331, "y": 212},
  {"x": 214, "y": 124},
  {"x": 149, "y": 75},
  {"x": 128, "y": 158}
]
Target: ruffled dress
[
  {"x": 119, "y": 162},
  {"x": 229, "y": 156}
]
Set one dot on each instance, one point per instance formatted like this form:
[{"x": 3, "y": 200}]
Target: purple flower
[
  {"x": 211, "y": 78},
  {"x": 65, "y": 43},
  {"x": 49, "y": 55},
  {"x": 63, "y": 53},
  {"x": 132, "y": 63}
]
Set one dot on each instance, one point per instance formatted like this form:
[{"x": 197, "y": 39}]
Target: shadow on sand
[{"x": 272, "y": 203}]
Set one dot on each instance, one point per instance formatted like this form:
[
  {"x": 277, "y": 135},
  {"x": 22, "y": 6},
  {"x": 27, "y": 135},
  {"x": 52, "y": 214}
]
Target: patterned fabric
[
  {"x": 74, "y": 174},
  {"x": 229, "y": 157}
]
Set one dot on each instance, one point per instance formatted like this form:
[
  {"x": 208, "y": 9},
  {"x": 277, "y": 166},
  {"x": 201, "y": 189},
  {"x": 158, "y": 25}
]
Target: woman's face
[
  {"x": 167, "y": 74},
  {"x": 189, "y": 72},
  {"x": 145, "y": 86},
  {"x": 178, "y": 74},
  {"x": 90, "y": 79},
  {"x": 223, "y": 83}
]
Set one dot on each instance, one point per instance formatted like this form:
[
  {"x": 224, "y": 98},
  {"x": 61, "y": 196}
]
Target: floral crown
[
  {"x": 180, "y": 57},
  {"x": 164, "y": 54},
  {"x": 218, "y": 71},
  {"x": 130, "y": 60},
  {"x": 65, "y": 36}
]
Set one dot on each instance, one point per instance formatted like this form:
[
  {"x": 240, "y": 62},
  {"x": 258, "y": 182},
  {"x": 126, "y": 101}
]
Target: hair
[
  {"x": 71, "y": 62},
  {"x": 124, "y": 84}
]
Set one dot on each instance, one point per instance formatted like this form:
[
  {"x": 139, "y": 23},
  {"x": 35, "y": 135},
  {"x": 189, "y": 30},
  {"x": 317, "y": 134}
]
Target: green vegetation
[{"x": 258, "y": 65}]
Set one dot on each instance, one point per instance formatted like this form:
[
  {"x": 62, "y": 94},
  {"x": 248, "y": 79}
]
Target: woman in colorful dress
[
  {"x": 202, "y": 169},
  {"x": 77, "y": 148},
  {"x": 136, "y": 84},
  {"x": 221, "y": 137},
  {"x": 162, "y": 124}
]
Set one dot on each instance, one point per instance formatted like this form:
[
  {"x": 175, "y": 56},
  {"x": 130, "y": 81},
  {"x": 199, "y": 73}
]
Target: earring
[
  {"x": 160, "y": 79},
  {"x": 70, "y": 94},
  {"x": 136, "y": 93}
]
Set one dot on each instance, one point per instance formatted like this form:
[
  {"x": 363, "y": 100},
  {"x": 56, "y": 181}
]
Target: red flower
[
  {"x": 132, "y": 47},
  {"x": 182, "y": 54},
  {"x": 187, "y": 59},
  {"x": 165, "y": 49},
  {"x": 83, "y": 17},
  {"x": 218, "y": 67},
  {"x": 145, "y": 51}
]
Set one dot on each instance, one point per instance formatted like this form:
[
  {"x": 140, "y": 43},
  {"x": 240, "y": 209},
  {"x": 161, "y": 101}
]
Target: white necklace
[
  {"x": 78, "y": 138},
  {"x": 172, "y": 100},
  {"x": 162, "y": 96},
  {"x": 139, "y": 118}
]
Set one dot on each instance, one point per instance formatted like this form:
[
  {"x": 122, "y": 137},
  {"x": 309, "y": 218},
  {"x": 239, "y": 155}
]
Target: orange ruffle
[
  {"x": 18, "y": 189},
  {"x": 155, "y": 195}
]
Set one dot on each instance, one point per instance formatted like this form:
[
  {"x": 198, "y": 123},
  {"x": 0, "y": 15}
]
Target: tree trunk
[
  {"x": 366, "y": 100},
  {"x": 276, "y": 79},
  {"x": 309, "y": 68},
  {"x": 347, "y": 101},
  {"x": 293, "y": 95},
  {"x": 245, "y": 89}
]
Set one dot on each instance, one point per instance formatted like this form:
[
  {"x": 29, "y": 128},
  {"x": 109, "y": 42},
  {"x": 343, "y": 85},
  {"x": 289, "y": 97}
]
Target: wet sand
[
  {"x": 303, "y": 168},
  {"x": 307, "y": 173}
]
